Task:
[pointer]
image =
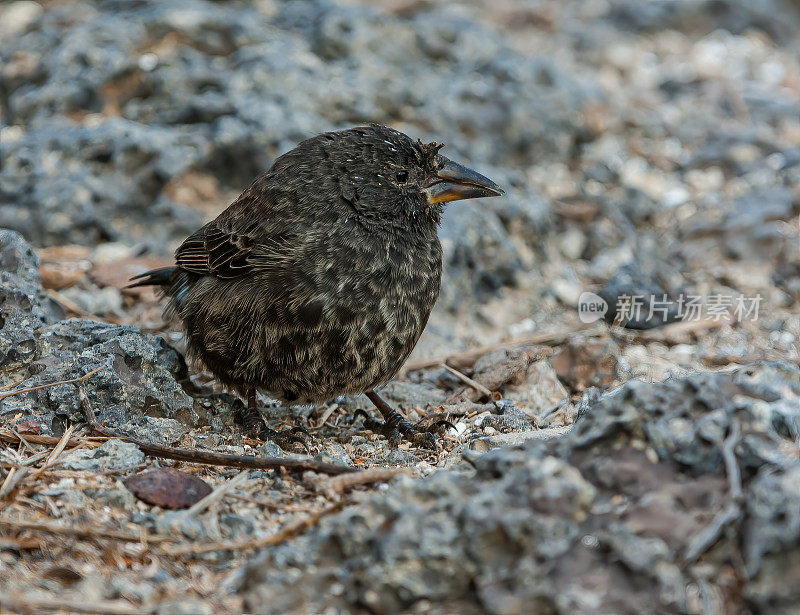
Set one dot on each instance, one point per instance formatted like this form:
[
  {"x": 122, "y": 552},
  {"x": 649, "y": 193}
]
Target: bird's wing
[
  {"x": 249, "y": 235},
  {"x": 216, "y": 250}
]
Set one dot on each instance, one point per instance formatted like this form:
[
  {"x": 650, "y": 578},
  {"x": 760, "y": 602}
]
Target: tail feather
[{"x": 154, "y": 277}]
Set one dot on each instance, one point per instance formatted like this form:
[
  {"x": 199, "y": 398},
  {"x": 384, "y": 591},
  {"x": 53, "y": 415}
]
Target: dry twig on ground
[
  {"x": 19, "y": 472},
  {"x": 81, "y": 531},
  {"x": 49, "y": 385},
  {"x": 208, "y": 457},
  {"x": 12, "y": 437},
  {"x": 32, "y": 604},
  {"x": 338, "y": 484},
  {"x": 467, "y": 380}
]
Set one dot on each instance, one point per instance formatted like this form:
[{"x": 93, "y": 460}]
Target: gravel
[{"x": 112, "y": 455}]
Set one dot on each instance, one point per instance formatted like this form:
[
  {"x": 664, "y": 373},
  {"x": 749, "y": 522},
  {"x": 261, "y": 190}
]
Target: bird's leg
[
  {"x": 254, "y": 425},
  {"x": 252, "y": 421},
  {"x": 394, "y": 425}
]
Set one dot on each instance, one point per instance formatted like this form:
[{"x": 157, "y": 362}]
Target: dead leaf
[
  {"x": 63, "y": 575},
  {"x": 167, "y": 488},
  {"x": 57, "y": 276}
]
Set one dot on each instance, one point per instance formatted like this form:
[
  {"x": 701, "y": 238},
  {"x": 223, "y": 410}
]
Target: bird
[{"x": 318, "y": 280}]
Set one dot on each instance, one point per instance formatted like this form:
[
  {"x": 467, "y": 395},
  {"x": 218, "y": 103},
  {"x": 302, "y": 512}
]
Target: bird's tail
[{"x": 154, "y": 277}]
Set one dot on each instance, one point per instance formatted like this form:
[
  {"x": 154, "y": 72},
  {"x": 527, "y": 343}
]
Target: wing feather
[{"x": 251, "y": 234}]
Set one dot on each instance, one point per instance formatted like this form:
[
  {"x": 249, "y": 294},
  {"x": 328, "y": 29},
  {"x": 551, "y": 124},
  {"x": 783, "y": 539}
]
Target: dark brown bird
[{"x": 319, "y": 279}]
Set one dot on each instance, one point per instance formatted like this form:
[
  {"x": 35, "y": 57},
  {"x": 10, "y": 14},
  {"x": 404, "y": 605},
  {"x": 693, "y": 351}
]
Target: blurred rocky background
[{"x": 648, "y": 148}]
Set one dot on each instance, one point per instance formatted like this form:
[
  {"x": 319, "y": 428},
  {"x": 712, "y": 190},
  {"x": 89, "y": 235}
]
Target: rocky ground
[{"x": 646, "y": 462}]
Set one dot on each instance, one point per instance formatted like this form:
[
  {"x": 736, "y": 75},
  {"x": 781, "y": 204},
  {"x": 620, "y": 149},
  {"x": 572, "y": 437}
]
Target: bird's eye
[{"x": 402, "y": 176}]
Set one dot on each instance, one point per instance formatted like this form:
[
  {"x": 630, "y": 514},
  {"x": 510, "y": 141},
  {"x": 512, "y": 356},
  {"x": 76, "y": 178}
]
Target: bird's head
[{"x": 394, "y": 183}]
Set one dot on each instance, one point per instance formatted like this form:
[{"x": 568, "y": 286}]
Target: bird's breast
[
  {"x": 402, "y": 294},
  {"x": 400, "y": 286}
]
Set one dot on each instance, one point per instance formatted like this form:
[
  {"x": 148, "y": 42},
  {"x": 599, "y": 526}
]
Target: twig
[
  {"x": 208, "y": 457},
  {"x": 32, "y": 503},
  {"x": 464, "y": 408},
  {"x": 29, "y": 604},
  {"x": 10, "y": 368},
  {"x": 13, "y": 438},
  {"x": 288, "y": 532},
  {"x": 12, "y": 478},
  {"x": 21, "y": 439},
  {"x": 470, "y": 356},
  {"x": 13, "y": 384},
  {"x": 51, "y": 506},
  {"x": 326, "y": 414},
  {"x": 32, "y": 459},
  {"x": 16, "y": 475},
  {"x": 215, "y": 495},
  {"x": 23, "y": 468},
  {"x": 49, "y": 385},
  {"x": 467, "y": 380},
  {"x": 82, "y": 531},
  {"x": 52, "y": 459},
  {"x": 337, "y": 484}
]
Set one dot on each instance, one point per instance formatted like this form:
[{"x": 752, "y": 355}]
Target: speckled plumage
[{"x": 319, "y": 279}]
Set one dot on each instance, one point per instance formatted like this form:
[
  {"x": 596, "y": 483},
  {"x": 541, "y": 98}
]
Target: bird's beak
[{"x": 454, "y": 182}]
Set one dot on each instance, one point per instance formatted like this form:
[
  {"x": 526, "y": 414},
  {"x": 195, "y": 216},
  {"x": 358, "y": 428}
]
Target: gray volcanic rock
[
  {"x": 599, "y": 521},
  {"x": 112, "y": 455},
  {"x": 138, "y": 375},
  {"x": 62, "y": 183},
  {"x": 637, "y": 297},
  {"x": 137, "y": 378},
  {"x": 24, "y": 306}
]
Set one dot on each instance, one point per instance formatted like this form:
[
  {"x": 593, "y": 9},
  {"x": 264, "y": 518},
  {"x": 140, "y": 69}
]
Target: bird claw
[
  {"x": 434, "y": 423},
  {"x": 419, "y": 435},
  {"x": 363, "y": 413}
]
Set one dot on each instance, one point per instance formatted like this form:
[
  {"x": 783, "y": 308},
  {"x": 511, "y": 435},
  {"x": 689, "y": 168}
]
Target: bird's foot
[
  {"x": 393, "y": 425},
  {"x": 255, "y": 426},
  {"x": 396, "y": 427}
]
